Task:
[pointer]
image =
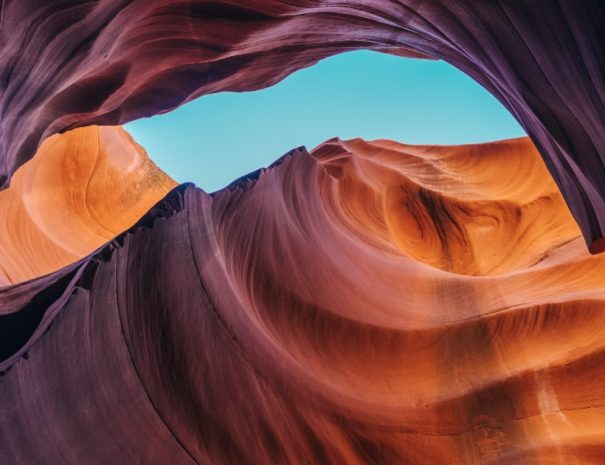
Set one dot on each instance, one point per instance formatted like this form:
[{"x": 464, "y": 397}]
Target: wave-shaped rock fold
[{"x": 292, "y": 318}]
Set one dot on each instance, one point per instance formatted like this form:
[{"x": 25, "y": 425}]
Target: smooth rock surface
[{"x": 81, "y": 190}]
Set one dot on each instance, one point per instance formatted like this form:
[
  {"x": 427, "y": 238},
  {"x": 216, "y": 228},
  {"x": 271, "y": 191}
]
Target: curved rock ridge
[
  {"x": 475, "y": 209},
  {"x": 82, "y": 189},
  {"x": 71, "y": 63},
  {"x": 289, "y": 319}
]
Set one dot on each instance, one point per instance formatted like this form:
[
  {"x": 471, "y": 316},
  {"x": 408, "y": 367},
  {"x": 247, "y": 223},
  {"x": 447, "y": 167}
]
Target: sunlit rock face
[
  {"x": 81, "y": 190},
  {"x": 481, "y": 209},
  {"x": 368, "y": 303},
  {"x": 71, "y": 63}
]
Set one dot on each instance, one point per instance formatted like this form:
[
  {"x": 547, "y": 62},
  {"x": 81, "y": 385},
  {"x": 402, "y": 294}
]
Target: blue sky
[{"x": 218, "y": 138}]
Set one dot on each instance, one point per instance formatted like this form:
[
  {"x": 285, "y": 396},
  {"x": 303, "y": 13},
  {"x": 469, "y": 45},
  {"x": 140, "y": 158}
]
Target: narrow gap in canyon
[{"x": 364, "y": 94}]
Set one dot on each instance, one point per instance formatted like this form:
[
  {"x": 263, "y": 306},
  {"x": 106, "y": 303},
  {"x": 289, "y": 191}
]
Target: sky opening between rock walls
[{"x": 218, "y": 138}]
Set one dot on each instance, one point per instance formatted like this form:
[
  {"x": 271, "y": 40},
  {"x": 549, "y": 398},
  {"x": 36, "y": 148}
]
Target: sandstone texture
[{"x": 368, "y": 303}]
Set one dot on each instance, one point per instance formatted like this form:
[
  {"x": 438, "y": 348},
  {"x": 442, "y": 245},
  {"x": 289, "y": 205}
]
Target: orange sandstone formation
[
  {"x": 478, "y": 209},
  {"x": 81, "y": 190},
  {"x": 294, "y": 317}
]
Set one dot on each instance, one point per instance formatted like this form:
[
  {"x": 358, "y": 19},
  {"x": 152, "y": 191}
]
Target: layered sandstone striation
[
  {"x": 81, "y": 190},
  {"x": 72, "y": 63},
  {"x": 368, "y": 303},
  {"x": 480, "y": 209}
]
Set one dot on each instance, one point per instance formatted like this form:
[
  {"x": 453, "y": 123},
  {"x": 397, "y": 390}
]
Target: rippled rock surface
[{"x": 368, "y": 303}]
